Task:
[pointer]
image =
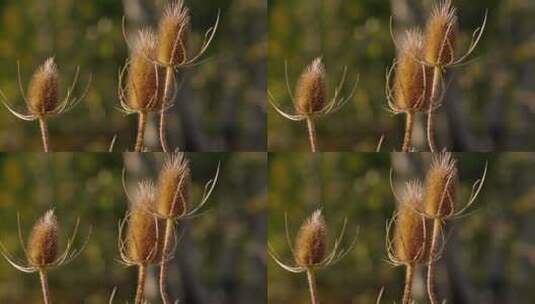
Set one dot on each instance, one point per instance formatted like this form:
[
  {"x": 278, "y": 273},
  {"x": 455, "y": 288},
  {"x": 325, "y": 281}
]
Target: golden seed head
[
  {"x": 440, "y": 186},
  {"x": 142, "y": 230},
  {"x": 310, "y": 92},
  {"x": 174, "y": 183},
  {"x": 441, "y": 34},
  {"x": 311, "y": 241},
  {"x": 42, "y": 248},
  {"x": 145, "y": 82},
  {"x": 43, "y": 90},
  {"x": 173, "y": 30},
  {"x": 411, "y": 82},
  {"x": 410, "y": 231}
]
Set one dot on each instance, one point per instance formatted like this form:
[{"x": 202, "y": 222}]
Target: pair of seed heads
[
  {"x": 151, "y": 54},
  {"x": 42, "y": 248},
  {"x": 42, "y": 98},
  {"x": 421, "y": 203},
  {"x": 170, "y": 199},
  {"x": 418, "y": 53},
  {"x": 310, "y": 251},
  {"x": 311, "y": 98}
]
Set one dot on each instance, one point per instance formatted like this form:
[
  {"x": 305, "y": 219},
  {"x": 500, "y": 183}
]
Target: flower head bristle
[
  {"x": 311, "y": 241},
  {"x": 174, "y": 183},
  {"x": 42, "y": 247}
]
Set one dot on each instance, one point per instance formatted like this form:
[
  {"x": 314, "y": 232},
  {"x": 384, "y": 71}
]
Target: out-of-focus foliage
[
  {"x": 489, "y": 257},
  {"x": 221, "y": 254},
  {"x": 220, "y": 105},
  {"x": 490, "y": 101}
]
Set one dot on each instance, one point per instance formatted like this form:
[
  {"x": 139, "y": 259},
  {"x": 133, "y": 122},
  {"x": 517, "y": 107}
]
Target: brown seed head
[
  {"x": 311, "y": 241},
  {"x": 145, "y": 82},
  {"x": 440, "y": 34},
  {"x": 411, "y": 82},
  {"x": 409, "y": 235},
  {"x": 174, "y": 183},
  {"x": 142, "y": 230},
  {"x": 173, "y": 30},
  {"x": 43, "y": 90},
  {"x": 42, "y": 248},
  {"x": 310, "y": 92},
  {"x": 440, "y": 186}
]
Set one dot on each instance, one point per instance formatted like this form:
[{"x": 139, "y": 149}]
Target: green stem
[
  {"x": 312, "y": 287},
  {"x": 44, "y": 287},
  {"x": 312, "y": 134},
  {"x": 44, "y": 133}
]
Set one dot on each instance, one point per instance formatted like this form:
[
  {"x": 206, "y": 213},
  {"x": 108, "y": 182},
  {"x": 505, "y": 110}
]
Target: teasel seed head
[
  {"x": 142, "y": 231},
  {"x": 440, "y": 187},
  {"x": 441, "y": 34},
  {"x": 310, "y": 92},
  {"x": 174, "y": 186},
  {"x": 412, "y": 80},
  {"x": 173, "y": 30},
  {"x": 145, "y": 80},
  {"x": 410, "y": 241},
  {"x": 43, "y": 90},
  {"x": 42, "y": 247},
  {"x": 311, "y": 240}
]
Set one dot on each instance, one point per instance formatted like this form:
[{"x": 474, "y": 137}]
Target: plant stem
[
  {"x": 44, "y": 287},
  {"x": 431, "y": 265},
  {"x": 166, "y": 100},
  {"x": 312, "y": 287},
  {"x": 312, "y": 134},
  {"x": 407, "y": 291},
  {"x": 44, "y": 133},
  {"x": 409, "y": 123},
  {"x": 142, "y": 275},
  {"x": 169, "y": 225},
  {"x": 434, "y": 97},
  {"x": 142, "y": 121}
]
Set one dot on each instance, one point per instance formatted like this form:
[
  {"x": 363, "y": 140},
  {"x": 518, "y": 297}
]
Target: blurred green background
[
  {"x": 220, "y": 107},
  {"x": 490, "y": 253},
  {"x": 220, "y": 258},
  {"x": 489, "y": 104}
]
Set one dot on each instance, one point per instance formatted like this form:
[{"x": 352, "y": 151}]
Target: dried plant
[
  {"x": 311, "y": 100},
  {"x": 42, "y": 99},
  {"x": 173, "y": 204},
  {"x": 439, "y": 54},
  {"x": 439, "y": 204},
  {"x": 408, "y": 246},
  {"x": 144, "y": 89},
  {"x": 172, "y": 53},
  {"x": 409, "y": 93},
  {"x": 140, "y": 246},
  {"x": 42, "y": 252},
  {"x": 310, "y": 252}
]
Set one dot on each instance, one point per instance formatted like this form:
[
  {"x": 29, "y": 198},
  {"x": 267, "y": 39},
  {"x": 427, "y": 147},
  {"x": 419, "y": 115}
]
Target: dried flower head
[
  {"x": 311, "y": 244},
  {"x": 43, "y": 90},
  {"x": 43, "y": 241},
  {"x": 441, "y": 34},
  {"x": 140, "y": 247},
  {"x": 174, "y": 186},
  {"x": 310, "y": 92},
  {"x": 42, "y": 250},
  {"x": 145, "y": 79},
  {"x": 311, "y": 241},
  {"x": 412, "y": 81},
  {"x": 173, "y": 30},
  {"x": 440, "y": 187},
  {"x": 409, "y": 243},
  {"x": 42, "y": 99}
]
